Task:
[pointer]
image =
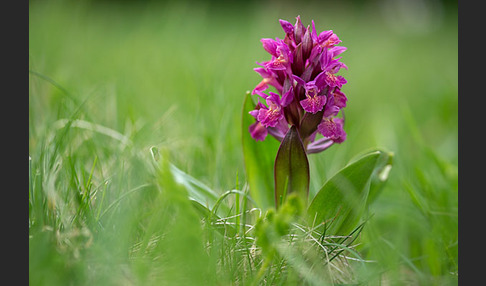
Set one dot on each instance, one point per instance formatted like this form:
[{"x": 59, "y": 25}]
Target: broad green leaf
[
  {"x": 380, "y": 176},
  {"x": 291, "y": 168},
  {"x": 259, "y": 158},
  {"x": 343, "y": 198}
]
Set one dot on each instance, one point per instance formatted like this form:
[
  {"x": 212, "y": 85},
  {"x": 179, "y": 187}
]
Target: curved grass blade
[
  {"x": 291, "y": 168},
  {"x": 197, "y": 191}
]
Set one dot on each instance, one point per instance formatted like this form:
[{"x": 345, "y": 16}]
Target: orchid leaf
[
  {"x": 343, "y": 198},
  {"x": 380, "y": 176},
  {"x": 258, "y": 158},
  {"x": 291, "y": 168}
]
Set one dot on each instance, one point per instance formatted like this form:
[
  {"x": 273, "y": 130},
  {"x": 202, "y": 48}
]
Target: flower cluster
[{"x": 303, "y": 70}]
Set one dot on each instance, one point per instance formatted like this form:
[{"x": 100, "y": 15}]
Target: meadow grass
[{"x": 122, "y": 94}]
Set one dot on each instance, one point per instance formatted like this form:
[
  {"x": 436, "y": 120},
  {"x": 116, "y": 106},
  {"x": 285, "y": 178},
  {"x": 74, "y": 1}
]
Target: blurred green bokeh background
[
  {"x": 176, "y": 73},
  {"x": 186, "y": 66}
]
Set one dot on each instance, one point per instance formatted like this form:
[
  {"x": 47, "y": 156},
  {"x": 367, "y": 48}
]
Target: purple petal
[
  {"x": 279, "y": 130},
  {"x": 299, "y": 30},
  {"x": 270, "y": 46},
  {"x": 314, "y": 32},
  {"x": 287, "y": 97},
  {"x": 323, "y": 36},
  {"x": 336, "y": 51},
  {"x": 325, "y": 60},
  {"x": 341, "y": 138},
  {"x": 263, "y": 85},
  {"x": 340, "y": 81},
  {"x": 261, "y": 64},
  {"x": 314, "y": 55},
  {"x": 284, "y": 51},
  {"x": 298, "y": 80},
  {"x": 261, "y": 94},
  {"x": 269, "y": 78},
  {"x": 313, "y": 104},
  {"x": 330, "y": 109},
  {"x": 307, "y": 43},
  {"x": 269, "y": 117},
  {"x": 312, "y": 137},
  {"x": 320, "y": 80},
  {"x": 287, "y": 26},
  {"x": 333, "y": 80},
  {"x": 254, "y": 113},
  {"x": 331, "y": 128},
  {"x": 335, "y": 65},
  {"x": 319, "y": 145},
  {"x": 258, "y": 131},
  {"x": 339, "y": 121},
  {"x": 340, "y": 98},
  {"x": 263, "y": 72},
  {"x": 311, "y": 89},
  {"x": 333, "y": 40},
  {"x": 275, "y": 64},
  {"x": 273, "y": 99}
]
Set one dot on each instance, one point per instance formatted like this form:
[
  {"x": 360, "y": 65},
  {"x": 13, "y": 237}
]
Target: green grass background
[{"x": 173, "y": 75}]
